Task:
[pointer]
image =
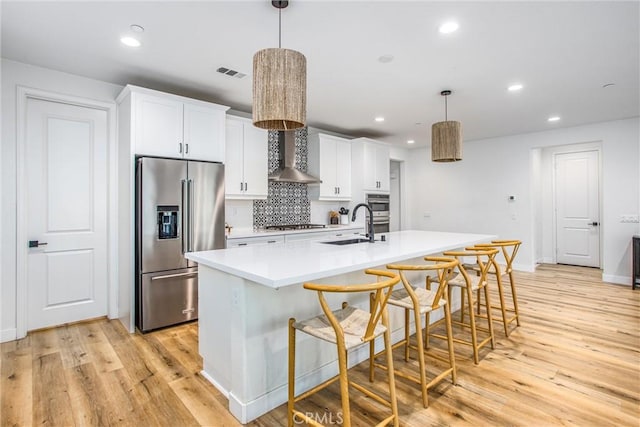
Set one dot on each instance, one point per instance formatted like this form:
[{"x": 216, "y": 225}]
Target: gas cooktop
[{"x": 294, "y": 226}]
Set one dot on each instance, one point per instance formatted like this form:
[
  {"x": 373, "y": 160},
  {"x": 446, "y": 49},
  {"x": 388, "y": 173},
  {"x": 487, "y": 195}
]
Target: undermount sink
[{"x": 346, "y": 242}]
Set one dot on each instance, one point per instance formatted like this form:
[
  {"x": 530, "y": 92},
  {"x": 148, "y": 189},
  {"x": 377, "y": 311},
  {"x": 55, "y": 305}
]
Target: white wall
[
  {"x": 471, "y": 195},
  {"x": 14, "y": 74}
]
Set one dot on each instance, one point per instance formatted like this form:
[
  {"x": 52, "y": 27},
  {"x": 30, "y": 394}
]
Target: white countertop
[
  {"x": 241, "y": 233},
  {"x": 290, "y": 263}
]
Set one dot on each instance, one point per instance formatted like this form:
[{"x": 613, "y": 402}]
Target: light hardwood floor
[{"x": 574, "y": 361}]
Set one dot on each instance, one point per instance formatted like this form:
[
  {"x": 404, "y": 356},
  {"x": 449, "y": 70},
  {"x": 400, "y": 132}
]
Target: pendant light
[
  {"x": 446, "y": 138},
  {"x": 279, "y": 85}
]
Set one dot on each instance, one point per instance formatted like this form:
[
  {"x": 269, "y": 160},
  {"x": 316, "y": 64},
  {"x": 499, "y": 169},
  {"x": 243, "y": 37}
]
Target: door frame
[
  {"x": 23, "y": 95},
  {"x": 597, "y": 147}
]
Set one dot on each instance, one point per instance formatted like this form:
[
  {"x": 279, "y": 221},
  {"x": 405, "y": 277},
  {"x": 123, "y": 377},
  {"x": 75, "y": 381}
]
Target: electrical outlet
[{"x": 629, "y": 218}]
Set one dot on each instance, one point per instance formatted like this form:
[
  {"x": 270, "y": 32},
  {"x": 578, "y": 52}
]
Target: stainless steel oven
[{"x": 379, "y": 204}]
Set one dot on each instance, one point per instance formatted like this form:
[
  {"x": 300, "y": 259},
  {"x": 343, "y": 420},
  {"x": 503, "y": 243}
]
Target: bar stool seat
[
  {"x": 352, "y": 320},
  {"x": 426, "y": 297}
]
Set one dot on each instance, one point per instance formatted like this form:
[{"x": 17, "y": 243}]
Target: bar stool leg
[
  {"x": 421, "y": 362},
  {"x": 372, "y": 346},
  {"x": 502, "y": 306},
  {"x": 515, "y": 299},
  {"x": 344, "y": 382},
  {"x": 487, "y": 303},
  {"x": 292, "y": 375},
  {"x": 472, "y": 322},
  {"x": 390, "y": 372},
  {"x": 462, "y": 304},
  {"x": 406, "y": 335},
  {"x": 452, "y": 358}
]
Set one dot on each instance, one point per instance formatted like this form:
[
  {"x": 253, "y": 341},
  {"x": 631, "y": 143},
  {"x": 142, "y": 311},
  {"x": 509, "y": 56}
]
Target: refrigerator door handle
[
  {"x": 171, "y": 276},
  {"x": 190, "y": 213},
  {"x": 184, "y": 215}
]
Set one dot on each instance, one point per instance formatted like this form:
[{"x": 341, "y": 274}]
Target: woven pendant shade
[
  {"x": 446, "y": 142},
  {"x": 279, "y": 89}
]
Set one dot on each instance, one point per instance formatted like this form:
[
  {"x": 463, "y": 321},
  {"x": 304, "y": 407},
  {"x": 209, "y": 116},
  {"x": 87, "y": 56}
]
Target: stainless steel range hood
[{"x": 287, "y": 171}]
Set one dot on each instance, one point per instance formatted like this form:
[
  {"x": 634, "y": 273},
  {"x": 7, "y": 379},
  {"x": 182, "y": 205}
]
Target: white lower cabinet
[
  {"x": 323, "y": 235},
  {"x": 251, "y": 241}
]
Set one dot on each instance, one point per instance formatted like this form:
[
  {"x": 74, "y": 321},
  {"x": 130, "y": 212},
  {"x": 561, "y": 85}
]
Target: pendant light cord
[
  {"x": 279, "y": 28},
  {"x": 446, "y": 108}
]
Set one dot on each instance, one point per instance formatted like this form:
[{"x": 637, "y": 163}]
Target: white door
[
  {"x": 577, "y": 209},
  {"x": 66, "y": 213}
]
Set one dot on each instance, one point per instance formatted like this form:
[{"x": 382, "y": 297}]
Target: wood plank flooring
[{"x": 574, "y": 361}]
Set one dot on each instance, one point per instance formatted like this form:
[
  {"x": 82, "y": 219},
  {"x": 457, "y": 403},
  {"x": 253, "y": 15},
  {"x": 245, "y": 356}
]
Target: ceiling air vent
[{"x": 231, "y": 73}]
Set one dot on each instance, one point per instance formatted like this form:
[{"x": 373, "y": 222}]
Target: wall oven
[{"x": 379, "y": 204}]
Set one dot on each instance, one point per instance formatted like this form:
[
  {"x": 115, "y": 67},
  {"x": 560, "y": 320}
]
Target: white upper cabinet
[
  {"x": 246, "y": 166},
  {"x": 371, "y": 162},
  {"x": 166, "y": 125},
  {"x": 330, "y": 160}
]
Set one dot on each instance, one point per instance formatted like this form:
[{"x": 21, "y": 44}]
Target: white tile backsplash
[{"x": 239, "y": 213}]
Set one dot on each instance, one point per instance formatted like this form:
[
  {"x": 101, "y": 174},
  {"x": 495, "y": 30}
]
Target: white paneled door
[
  {"x": 577, "y": 208},
  {"x": 66, "y": 212}
]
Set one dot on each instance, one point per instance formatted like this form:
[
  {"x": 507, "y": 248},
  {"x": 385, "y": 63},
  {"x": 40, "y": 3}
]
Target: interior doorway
[{"x": 395, "y": 196}]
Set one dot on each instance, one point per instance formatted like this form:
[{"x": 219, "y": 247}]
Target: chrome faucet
[{"x": 353, "y": 218}]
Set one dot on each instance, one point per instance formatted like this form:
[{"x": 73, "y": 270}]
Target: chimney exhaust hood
[{"x": 287, "y": 171}]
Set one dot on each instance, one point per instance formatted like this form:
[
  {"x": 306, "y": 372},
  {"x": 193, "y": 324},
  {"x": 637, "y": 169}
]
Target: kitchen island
[{"x": 247, "y": 295}]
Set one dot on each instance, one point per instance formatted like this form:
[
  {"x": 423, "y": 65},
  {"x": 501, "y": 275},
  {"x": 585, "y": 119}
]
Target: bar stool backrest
[
  {"x": 485, "y": 258},
  {"x": 509, "y": 251},
  {"x": 443, "y": 266},
  {"x": 381, "y": 290}
]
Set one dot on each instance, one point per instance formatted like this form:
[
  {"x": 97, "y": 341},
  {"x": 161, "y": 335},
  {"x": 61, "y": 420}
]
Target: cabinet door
[
  {"x": 234, "y": 183},
  {"x": 158, "y": 126},
  {"x": 327, "y": 159},
  {"x": 382, "y": 168},
  {"x": 204, "y": 133},
  {"x": 370, "y": 176},
  {"x": 256, "y": 159},
  {"x": 343, "y": 170}
]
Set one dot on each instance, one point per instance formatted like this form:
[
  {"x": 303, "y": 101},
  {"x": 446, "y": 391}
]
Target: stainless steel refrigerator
[{"x": 179, "y": 208}]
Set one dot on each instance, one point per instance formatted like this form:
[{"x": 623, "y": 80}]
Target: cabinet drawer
[{"x": 266, "y": 240}]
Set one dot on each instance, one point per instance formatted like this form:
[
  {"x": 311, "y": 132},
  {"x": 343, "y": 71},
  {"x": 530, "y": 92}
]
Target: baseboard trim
[
  {"x": 618, "y": 280},
  {"x": 529, "y": 268},
  {"x": 215, "y": 383},
  {"x": 8, "y": 335}
]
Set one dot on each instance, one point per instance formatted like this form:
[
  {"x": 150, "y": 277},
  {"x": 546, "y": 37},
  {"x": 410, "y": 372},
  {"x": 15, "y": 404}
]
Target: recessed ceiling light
[
  {"x": 130, "y": 41},
  {"x": 379, "y": 119},
  {"x": 515, "y": 87},
  {"x": 385, "y": 59},
  {"x": 448, "y": 27},
  {"x": 553, "y": 119},
  {"x": 137, "y": 28},
  {"x": 411, "y": 141}
]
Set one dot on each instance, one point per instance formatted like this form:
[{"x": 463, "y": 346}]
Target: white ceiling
[{"x": 562, "y": 52}]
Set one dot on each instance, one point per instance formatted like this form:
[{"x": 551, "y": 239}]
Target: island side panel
[{"x": 214, "y": 330}]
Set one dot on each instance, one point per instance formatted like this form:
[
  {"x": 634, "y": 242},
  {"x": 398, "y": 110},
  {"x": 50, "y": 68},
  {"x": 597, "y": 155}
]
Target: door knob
[
  {"x": 35, "y": 243},
  {"x": 595, "y": 223}
]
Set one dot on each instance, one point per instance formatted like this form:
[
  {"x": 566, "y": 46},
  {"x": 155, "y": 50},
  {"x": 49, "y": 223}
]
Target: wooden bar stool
[
  {"x": 468, "y": 285},
  {"x": 348, "y": 328},
  {"x": 422, "y": 301},
  {"x": 509, "y": 250}
]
